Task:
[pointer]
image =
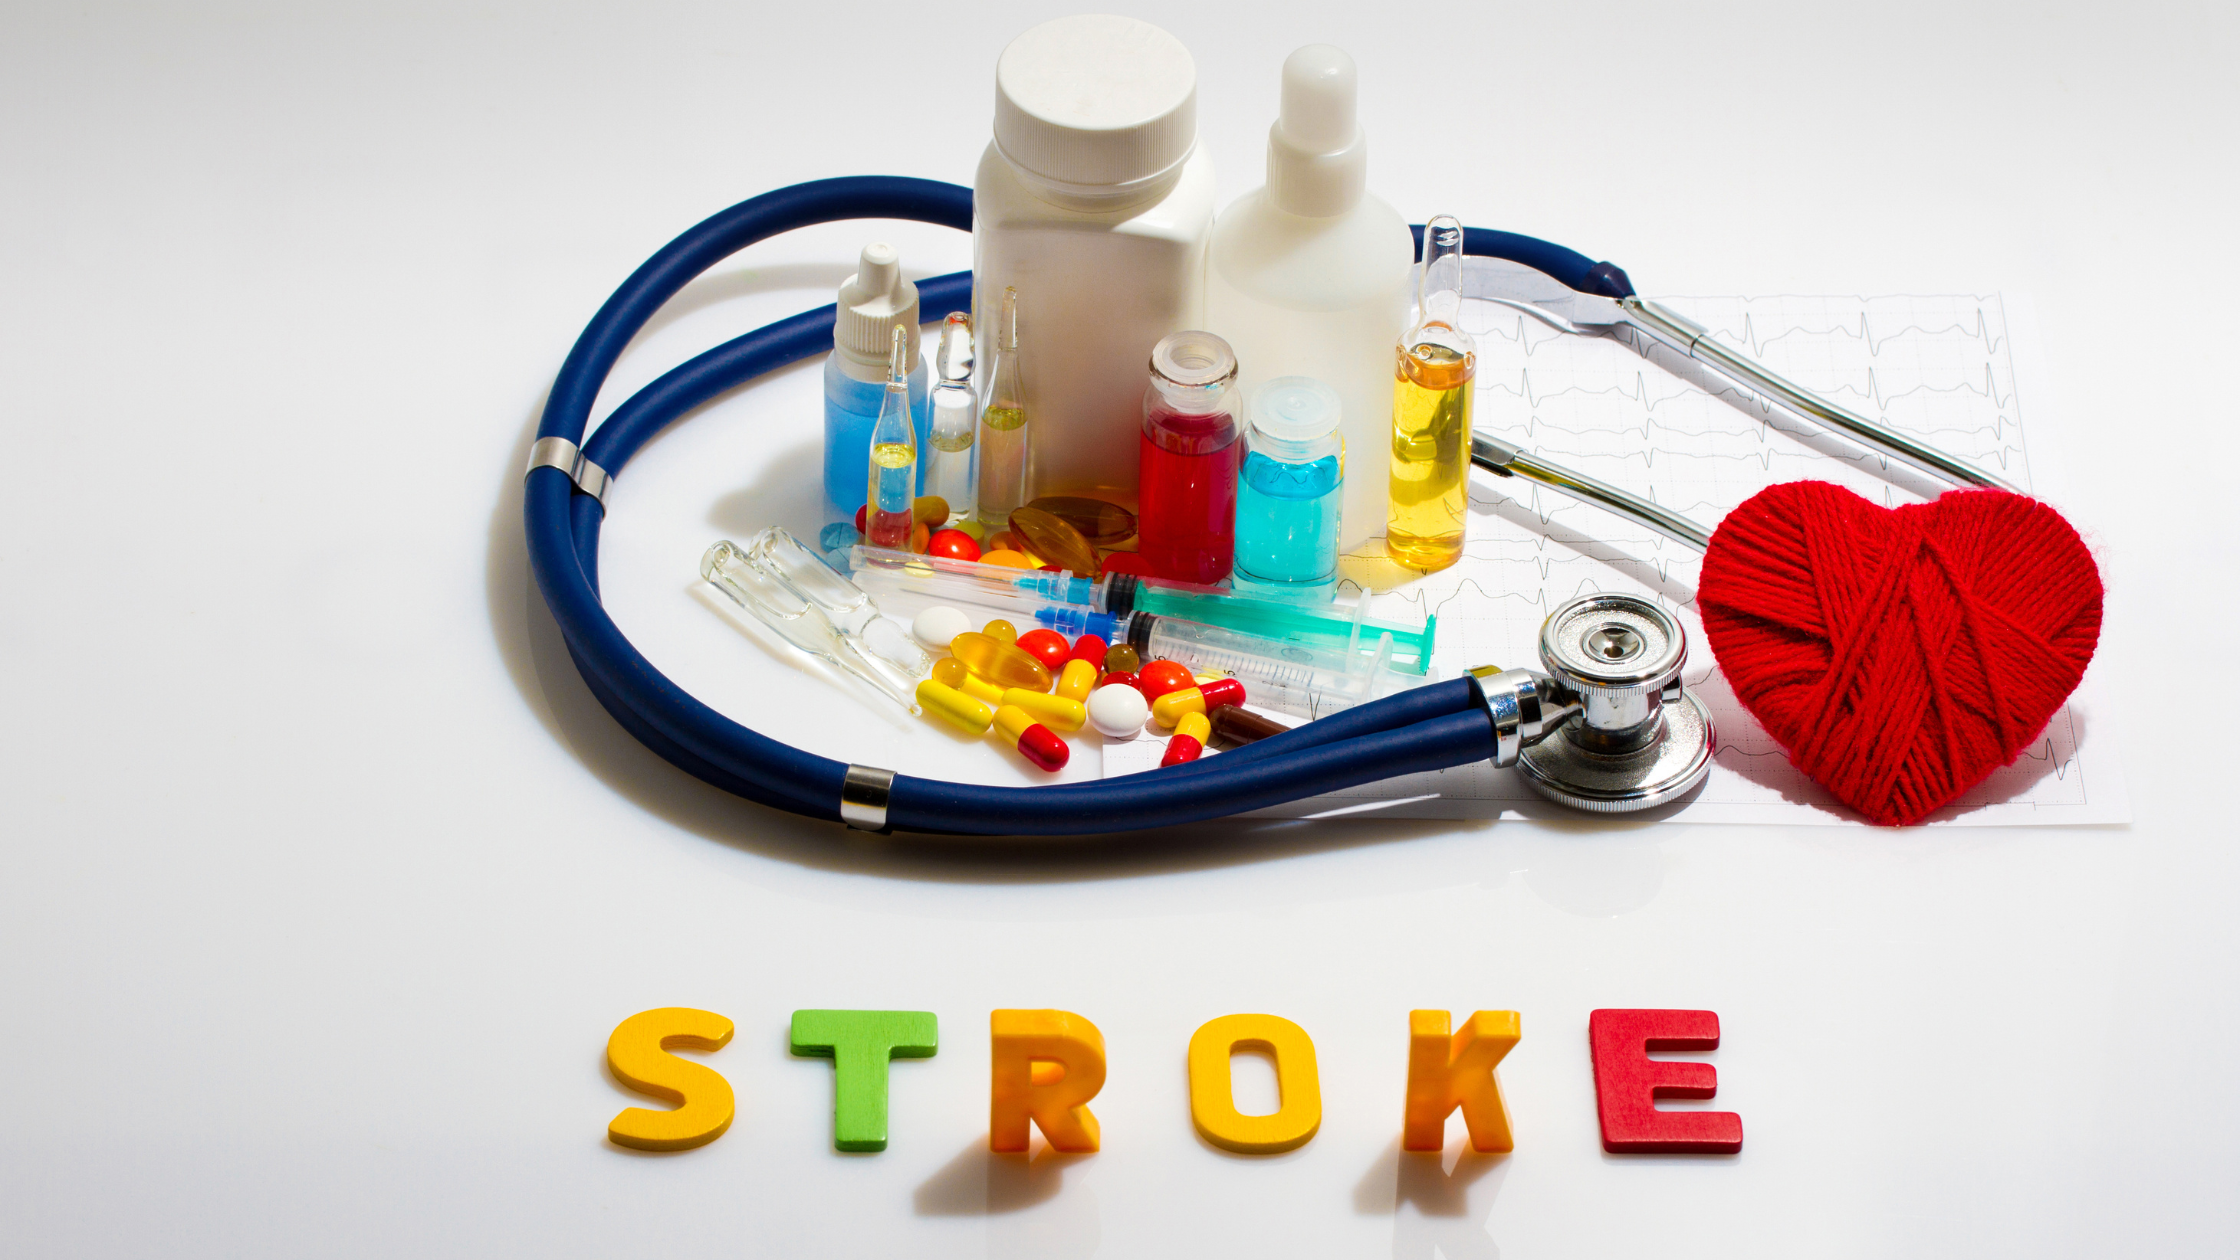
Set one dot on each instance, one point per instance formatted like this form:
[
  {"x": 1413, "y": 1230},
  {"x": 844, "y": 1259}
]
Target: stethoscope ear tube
[{"x": 1426, "y": 729}]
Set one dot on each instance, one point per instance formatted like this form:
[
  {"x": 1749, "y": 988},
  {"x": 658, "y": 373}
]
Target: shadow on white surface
[
  {"x": 1438, "y": 1203},
  {"x": 981, "y": 1182}
]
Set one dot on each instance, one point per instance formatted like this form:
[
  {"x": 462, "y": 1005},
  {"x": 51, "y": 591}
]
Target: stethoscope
[{"x": 1604, "y": 726}]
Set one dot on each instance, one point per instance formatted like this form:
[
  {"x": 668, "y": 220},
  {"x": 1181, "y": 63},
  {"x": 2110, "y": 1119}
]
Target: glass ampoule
[
  {"x": 1436, "y": 360},
  {"x": 892, "y": 488},
  {"x": 956, "y": 414},
  {"x": 1004, "y": 432}
]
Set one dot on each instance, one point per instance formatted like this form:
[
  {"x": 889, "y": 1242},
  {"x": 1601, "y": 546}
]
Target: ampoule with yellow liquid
[{"x": 1425, "y": 521}]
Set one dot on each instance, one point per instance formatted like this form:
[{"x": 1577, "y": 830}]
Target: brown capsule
[
  {"x": 1122, "y": 659},
  {"x": 1234, "y": 726}
]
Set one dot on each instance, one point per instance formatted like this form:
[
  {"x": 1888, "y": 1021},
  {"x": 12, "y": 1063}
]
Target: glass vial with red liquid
[{"x": 1186, "y": 517}]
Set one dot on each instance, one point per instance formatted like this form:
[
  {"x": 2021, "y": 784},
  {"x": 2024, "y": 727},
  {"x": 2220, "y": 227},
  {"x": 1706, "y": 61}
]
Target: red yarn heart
[{"x": 1899, "y": 655}]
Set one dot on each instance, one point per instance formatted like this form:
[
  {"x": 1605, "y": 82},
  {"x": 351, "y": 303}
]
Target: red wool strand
[{"x": 1899, "y": 655}]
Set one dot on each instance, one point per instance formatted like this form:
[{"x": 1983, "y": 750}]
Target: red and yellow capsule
[
  {"x": 1169, "y": 708},
  {"x": 1188, "y": 740},
  {"x": 1034, "y": 741}
]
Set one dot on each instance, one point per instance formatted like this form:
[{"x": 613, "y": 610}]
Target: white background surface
[{"x": 326, "y": 879}]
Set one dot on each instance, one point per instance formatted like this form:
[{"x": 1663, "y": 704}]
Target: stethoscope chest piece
[{"x": 1608, "y": 728}]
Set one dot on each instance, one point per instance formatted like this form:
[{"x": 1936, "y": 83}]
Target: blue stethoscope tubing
[{"x": 1428, "y": 728}]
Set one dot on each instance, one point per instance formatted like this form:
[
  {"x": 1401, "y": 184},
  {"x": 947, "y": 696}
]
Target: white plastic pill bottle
[
  {"x": 1309, "y": 276},
  {"x": 1096, "y": 204}
]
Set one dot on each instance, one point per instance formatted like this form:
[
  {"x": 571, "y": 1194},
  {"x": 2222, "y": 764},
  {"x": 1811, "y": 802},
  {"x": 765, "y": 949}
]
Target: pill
[
  {"x": 1058, "y": 543},
  {"x": 936, "y": 626},
  {"x": 954, "y": 707},
  {"x": 1131, "y": 682},
  {"x": 930, "y": 509},
  {"x": 1118, "y": 710},
  {"x": 1056, "y": 712},
  {"x": 949, "y": 671},
  {"x": 1089, "y": 648},
  {"x": 1076, "y": 680},
  {"x": 1122, "y": 659},
  {"x": 1007, "y": 558},
  {"x": 1233, "y": 726},
  {"x": 1161, "y": 677},
  {"x": 1047, "y": 646},
  {"x": 1169, "y": 708},
  {"x": 1034, "y": 741},
  {"x": 1188, "y": 740},
  {"x": 1000, "y": 662},
  {"x": 1001, "y": 630},
  {"x": 980, "y": 688}
]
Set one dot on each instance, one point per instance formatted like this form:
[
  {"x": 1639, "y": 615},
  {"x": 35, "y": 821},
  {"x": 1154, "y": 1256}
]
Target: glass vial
[
  {"x": 1289, "y": 498},
  {"x": 1186, "y": 518},
  {"x": 893, "y": 484},
  {"x": 949, "y": 445},
  {"x": 1436, "y": 362},
  {"x": 1004, "y": 435}
]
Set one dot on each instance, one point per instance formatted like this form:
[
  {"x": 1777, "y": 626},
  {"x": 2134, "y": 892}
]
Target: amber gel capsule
[
  {"x": 1235, "y": 727},
  {"x": 1122, "y": 659},
  {"x": 1000, "y": 662}
]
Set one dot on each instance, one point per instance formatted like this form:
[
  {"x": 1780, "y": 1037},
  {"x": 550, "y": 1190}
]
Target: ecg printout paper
[{"x": 1661, "y": 426}]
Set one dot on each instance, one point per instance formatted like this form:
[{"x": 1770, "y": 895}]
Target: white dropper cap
[
  {"x": 1096, "y": 106},
  {"x": 1318, "y": 156},
  {"x": 873, "y": 302}
]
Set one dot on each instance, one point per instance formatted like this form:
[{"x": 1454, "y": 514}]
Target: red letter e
[{"x": 1627, "y": 1083}]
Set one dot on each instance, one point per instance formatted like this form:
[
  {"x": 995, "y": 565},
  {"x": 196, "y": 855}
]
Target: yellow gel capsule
[
  {"x": 1056, "y": 712},
  {"x": 954, "y": 707},
  {"x": 1001, "y": 631},
  {"x": 1007, "y": 558},
  {"x": 931, "y": 511},
  {"x": 949, "y": 671},
  {"x": 1195, "y": 726},
  {"x": 974, "y": 529},
  {"x": 1076, "y": 680},
  {"x": 980, "y": 688},
  {"x": 999, "y": 662}
]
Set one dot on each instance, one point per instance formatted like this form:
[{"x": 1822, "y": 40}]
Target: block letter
[
  {"x": 859, "y": 1043},
  {"x": 1447, "y": 1072},
  {"x": 1627, "y": 1083},
  {"x": 638, "y": 1054},
  {"x": 1044, "y": 1066},
  {"x": 1213, "y": 1105}
]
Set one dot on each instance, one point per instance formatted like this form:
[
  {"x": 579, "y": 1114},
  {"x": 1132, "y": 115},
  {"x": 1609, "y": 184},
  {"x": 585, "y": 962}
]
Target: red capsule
[
  {"x": 1090, "y": 648},
  {"x": 1125, "y": 679},
  {"x": 1036, "y": 742},
  {"x": 1161, "y": 677},
  {"x": 1047, "y": 646}
]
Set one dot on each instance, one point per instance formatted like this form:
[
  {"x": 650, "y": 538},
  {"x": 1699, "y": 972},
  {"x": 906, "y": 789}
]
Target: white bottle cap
[
  {"x": 1318, "y": 157},
  {"x": 1098, "y": 105},
  {"x": 1295, "y": 420},
  {"x": 871, "y": 303}
]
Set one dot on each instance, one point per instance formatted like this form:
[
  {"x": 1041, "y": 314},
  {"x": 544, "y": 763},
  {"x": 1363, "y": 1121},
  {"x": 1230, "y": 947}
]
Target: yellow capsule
[
  {"x": 1056, "y": 712},
  {"x": 931, "y": 511},
  {"x": 1001, "y": 631},
  {"x": 949, "y": 671},
  {"x": 1076, "y": 680},
  {"x": 1195, "y": 726},
  {"x": 955, "y": 707},
  {"x": 980, "y": 688},
  {"x": 1000, "y": 662}
]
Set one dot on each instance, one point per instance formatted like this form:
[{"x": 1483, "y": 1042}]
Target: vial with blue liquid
[
  {"x": 872, "y": 304},
  {"x": 1290, "y": 490}
]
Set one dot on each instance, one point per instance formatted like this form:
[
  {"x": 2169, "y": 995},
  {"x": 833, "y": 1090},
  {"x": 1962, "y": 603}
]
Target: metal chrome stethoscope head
[{"x": 1608, "y": 727}]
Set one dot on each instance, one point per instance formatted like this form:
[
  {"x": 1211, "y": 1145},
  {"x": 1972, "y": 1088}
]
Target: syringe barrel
[
  {"x": 969, "y": 581},
  {"x": 1288, "y": 677}
]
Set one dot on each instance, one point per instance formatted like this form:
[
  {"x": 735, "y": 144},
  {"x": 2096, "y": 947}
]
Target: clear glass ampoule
[
  {"x": 893, "y": 485},
  {"x": 1436, "y": 361},
  {"x": 956, "y": 414},
  {"x": 1003, "y": 438}
]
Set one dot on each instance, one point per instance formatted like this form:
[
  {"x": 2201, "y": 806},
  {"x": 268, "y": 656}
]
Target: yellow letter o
[{"x": 1213, "y": 1107}]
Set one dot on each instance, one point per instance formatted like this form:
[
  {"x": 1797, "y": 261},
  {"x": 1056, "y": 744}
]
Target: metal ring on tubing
[{"x": 1428, "y": 728}]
